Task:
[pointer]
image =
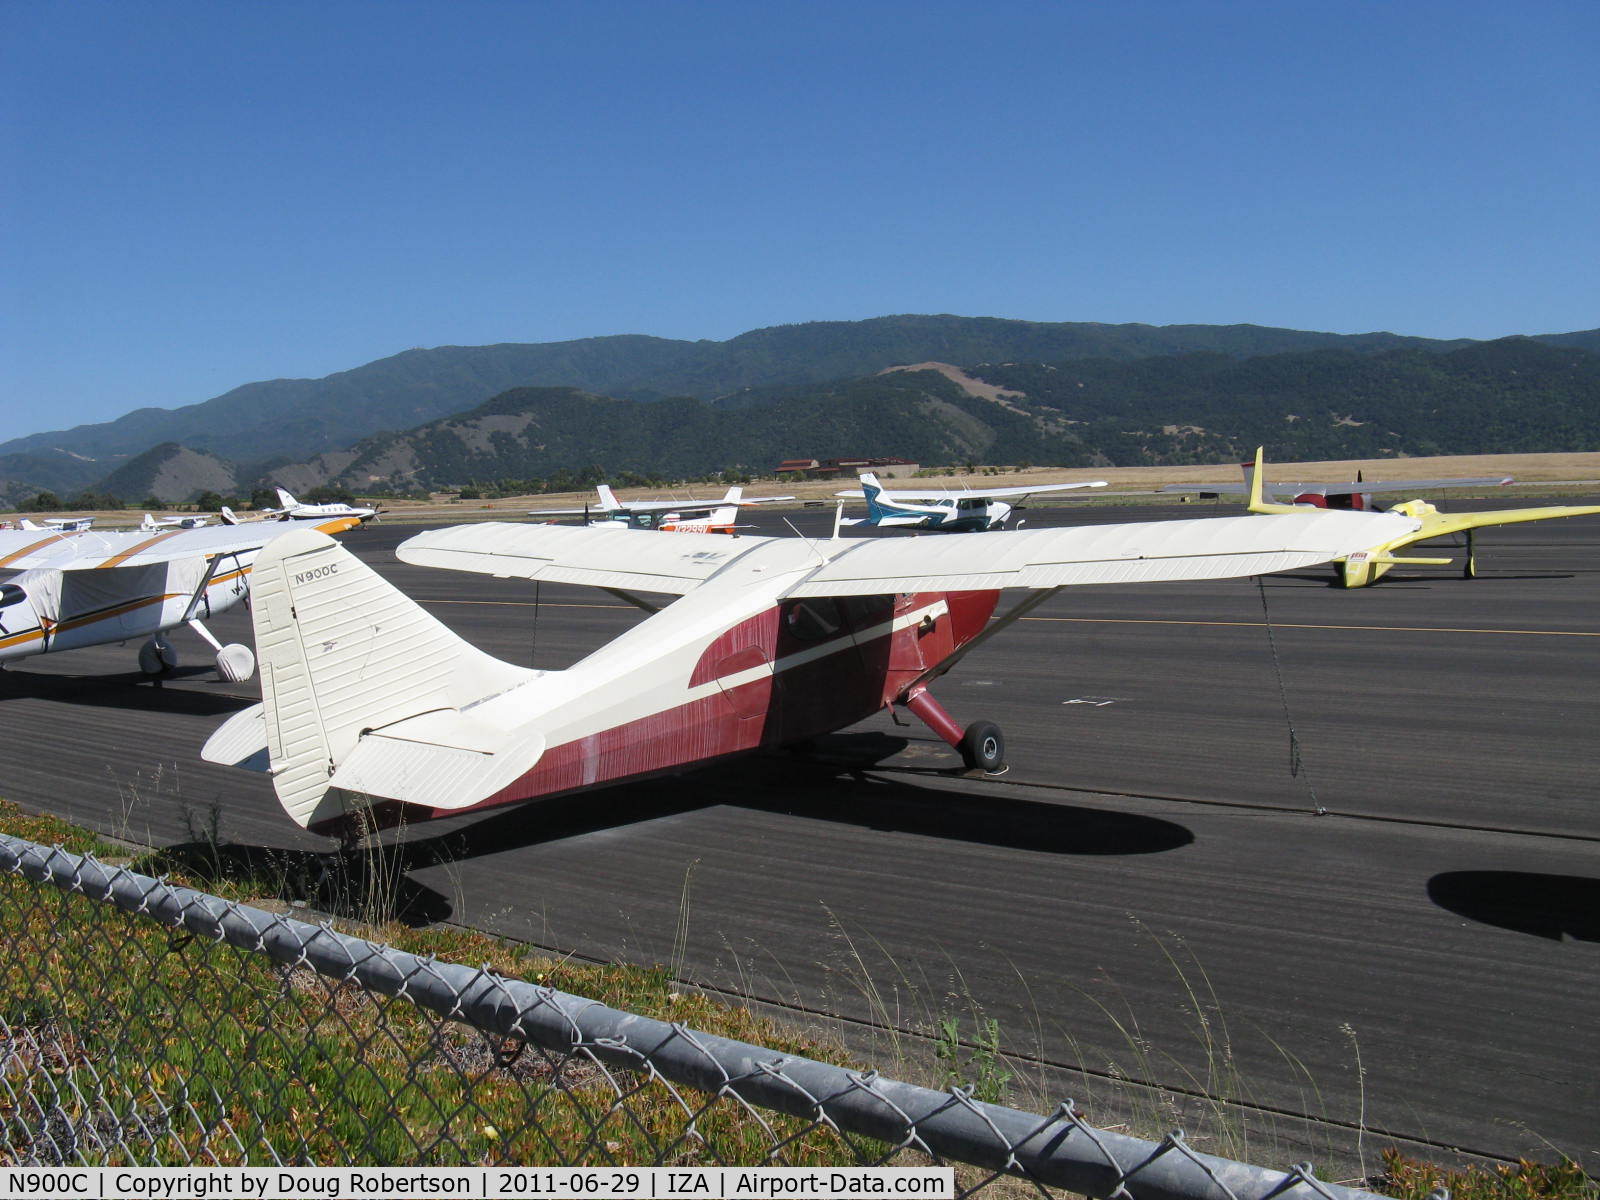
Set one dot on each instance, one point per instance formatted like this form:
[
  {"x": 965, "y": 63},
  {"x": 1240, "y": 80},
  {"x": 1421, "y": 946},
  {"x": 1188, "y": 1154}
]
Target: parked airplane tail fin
[
  {"x": 364, "y": 695},
  {"x": 1253, "y": 477},
  {"x": 873, "y": 490},
  {"x": 228, "y": 517},
  {"x": 734, "y": 496},
  {"x": 286, "y": 500},
  {"x": 608, "y": 498}
]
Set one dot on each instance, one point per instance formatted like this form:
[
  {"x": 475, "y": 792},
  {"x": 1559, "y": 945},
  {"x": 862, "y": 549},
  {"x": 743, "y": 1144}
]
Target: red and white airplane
[
  {"x": 66, "y": 589},
  {"x": 373, "y": 712}
]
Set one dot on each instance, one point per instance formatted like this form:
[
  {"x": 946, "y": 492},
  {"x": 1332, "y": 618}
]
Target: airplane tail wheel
[
  {"x": 157, "y": 657},
  {"x": 235, "y": 663},
  {"x": 983, "y": 747}
]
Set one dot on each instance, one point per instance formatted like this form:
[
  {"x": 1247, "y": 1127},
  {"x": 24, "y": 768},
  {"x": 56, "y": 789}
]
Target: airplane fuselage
[
  {"x": 946, "y": 516},
  {"x": 45, "y": 610}
]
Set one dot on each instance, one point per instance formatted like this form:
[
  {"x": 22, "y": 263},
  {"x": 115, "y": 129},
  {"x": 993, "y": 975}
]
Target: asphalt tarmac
[{"x": 1147, "y": 904}]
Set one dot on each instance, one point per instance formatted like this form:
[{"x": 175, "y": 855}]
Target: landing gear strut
[{"x": 981, "y": 744}]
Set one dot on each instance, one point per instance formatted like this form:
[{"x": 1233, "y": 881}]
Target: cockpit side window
[{"x": 812, "y": 620}]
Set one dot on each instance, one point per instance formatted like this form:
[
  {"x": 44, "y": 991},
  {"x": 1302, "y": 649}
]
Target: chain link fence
[{"x": 147, "y": 1024}]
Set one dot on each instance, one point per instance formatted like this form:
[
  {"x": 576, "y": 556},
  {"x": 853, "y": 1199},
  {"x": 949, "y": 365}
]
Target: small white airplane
[
  {"x": 293, "y": 510},
  {"x": 152, "y": 524},
  {"x": 670, "y": 516},
  {"x": 57, "y": 524},
  {"x": 64, "y": 589},
  {"x": 373, "y": 712},
  {"x": 947, "y": 512}
]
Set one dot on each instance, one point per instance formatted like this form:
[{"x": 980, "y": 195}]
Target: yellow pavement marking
[{"x": 1292, "y": 625}]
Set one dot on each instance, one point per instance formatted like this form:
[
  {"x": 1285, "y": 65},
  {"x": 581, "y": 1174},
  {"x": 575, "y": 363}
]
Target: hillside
[
  {"x": 297, "y": 418},
  {"x": 1511, "y": 395},
  {"x": 1516, "y": 394},
  {"x": 536, "y": 433},
  {"x": 171, "y": 473}
]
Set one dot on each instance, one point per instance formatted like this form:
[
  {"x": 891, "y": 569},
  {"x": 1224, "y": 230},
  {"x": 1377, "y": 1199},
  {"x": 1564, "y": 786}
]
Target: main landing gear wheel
[
  {"x": 157, "y": 657},
  {"x": 983, "y": 747}
]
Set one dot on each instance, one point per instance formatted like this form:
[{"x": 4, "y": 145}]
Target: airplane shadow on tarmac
[
  {"x": 1547, "y": 906},
  {"x": 814, "y": 789},
  {"x": 374, "y": 882},
  {"x": 131, "y": 690}
]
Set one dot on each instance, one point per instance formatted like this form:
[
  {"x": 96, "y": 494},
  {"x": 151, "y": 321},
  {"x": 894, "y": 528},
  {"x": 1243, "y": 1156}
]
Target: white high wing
[
  {"x": 63, "y": 590},
  {"x": 373, "y": 711},
  {"x": 697, "y": 516},
  {"x": 293, "y": 510},
  {"x": 946, "y": 511}
]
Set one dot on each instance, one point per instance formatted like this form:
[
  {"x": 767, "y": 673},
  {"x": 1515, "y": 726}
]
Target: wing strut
[
  {"x": 1015, "y": 613},
  {"x": 636, "y": 601},
  {"x": 199, "y": 596}
]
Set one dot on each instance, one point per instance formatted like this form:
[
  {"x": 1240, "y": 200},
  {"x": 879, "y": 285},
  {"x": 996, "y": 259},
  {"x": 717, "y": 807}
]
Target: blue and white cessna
[{"x": 946, "y": 512}]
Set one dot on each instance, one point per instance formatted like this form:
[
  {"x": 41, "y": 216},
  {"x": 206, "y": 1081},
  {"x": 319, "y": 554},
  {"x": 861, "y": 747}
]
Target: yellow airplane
[{"x": 1364, "y": 567}]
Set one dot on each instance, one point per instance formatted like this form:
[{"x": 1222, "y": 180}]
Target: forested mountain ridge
[
  {"x": 1507, "y": 396},
  {"x": 535, "y": 433},
  {"x": 1511, "y": 395},
  {"x": 1196, "y": 406},
  {"x": 296, "y": 418}
]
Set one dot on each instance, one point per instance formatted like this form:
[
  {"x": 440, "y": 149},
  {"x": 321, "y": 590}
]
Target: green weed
[{"x": 1408, "y": 1178}]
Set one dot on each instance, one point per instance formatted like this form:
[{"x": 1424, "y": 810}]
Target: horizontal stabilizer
[
  {"x": 241, "y": 741},
  {"x": 439, "y": 760}
]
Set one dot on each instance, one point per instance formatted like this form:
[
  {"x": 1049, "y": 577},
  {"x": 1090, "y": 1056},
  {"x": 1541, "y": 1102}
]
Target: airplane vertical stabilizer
[
  {"x": 873, "y": 490},
  {"x": 344, "y": 654}
]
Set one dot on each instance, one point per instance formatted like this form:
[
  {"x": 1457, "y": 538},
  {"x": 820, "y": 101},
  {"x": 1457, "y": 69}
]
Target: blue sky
[{"x": 200, "y": 195}]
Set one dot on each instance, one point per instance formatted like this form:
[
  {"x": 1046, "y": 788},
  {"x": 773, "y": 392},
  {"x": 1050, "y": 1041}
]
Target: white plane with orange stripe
[{"x": 67, "y": 589}]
